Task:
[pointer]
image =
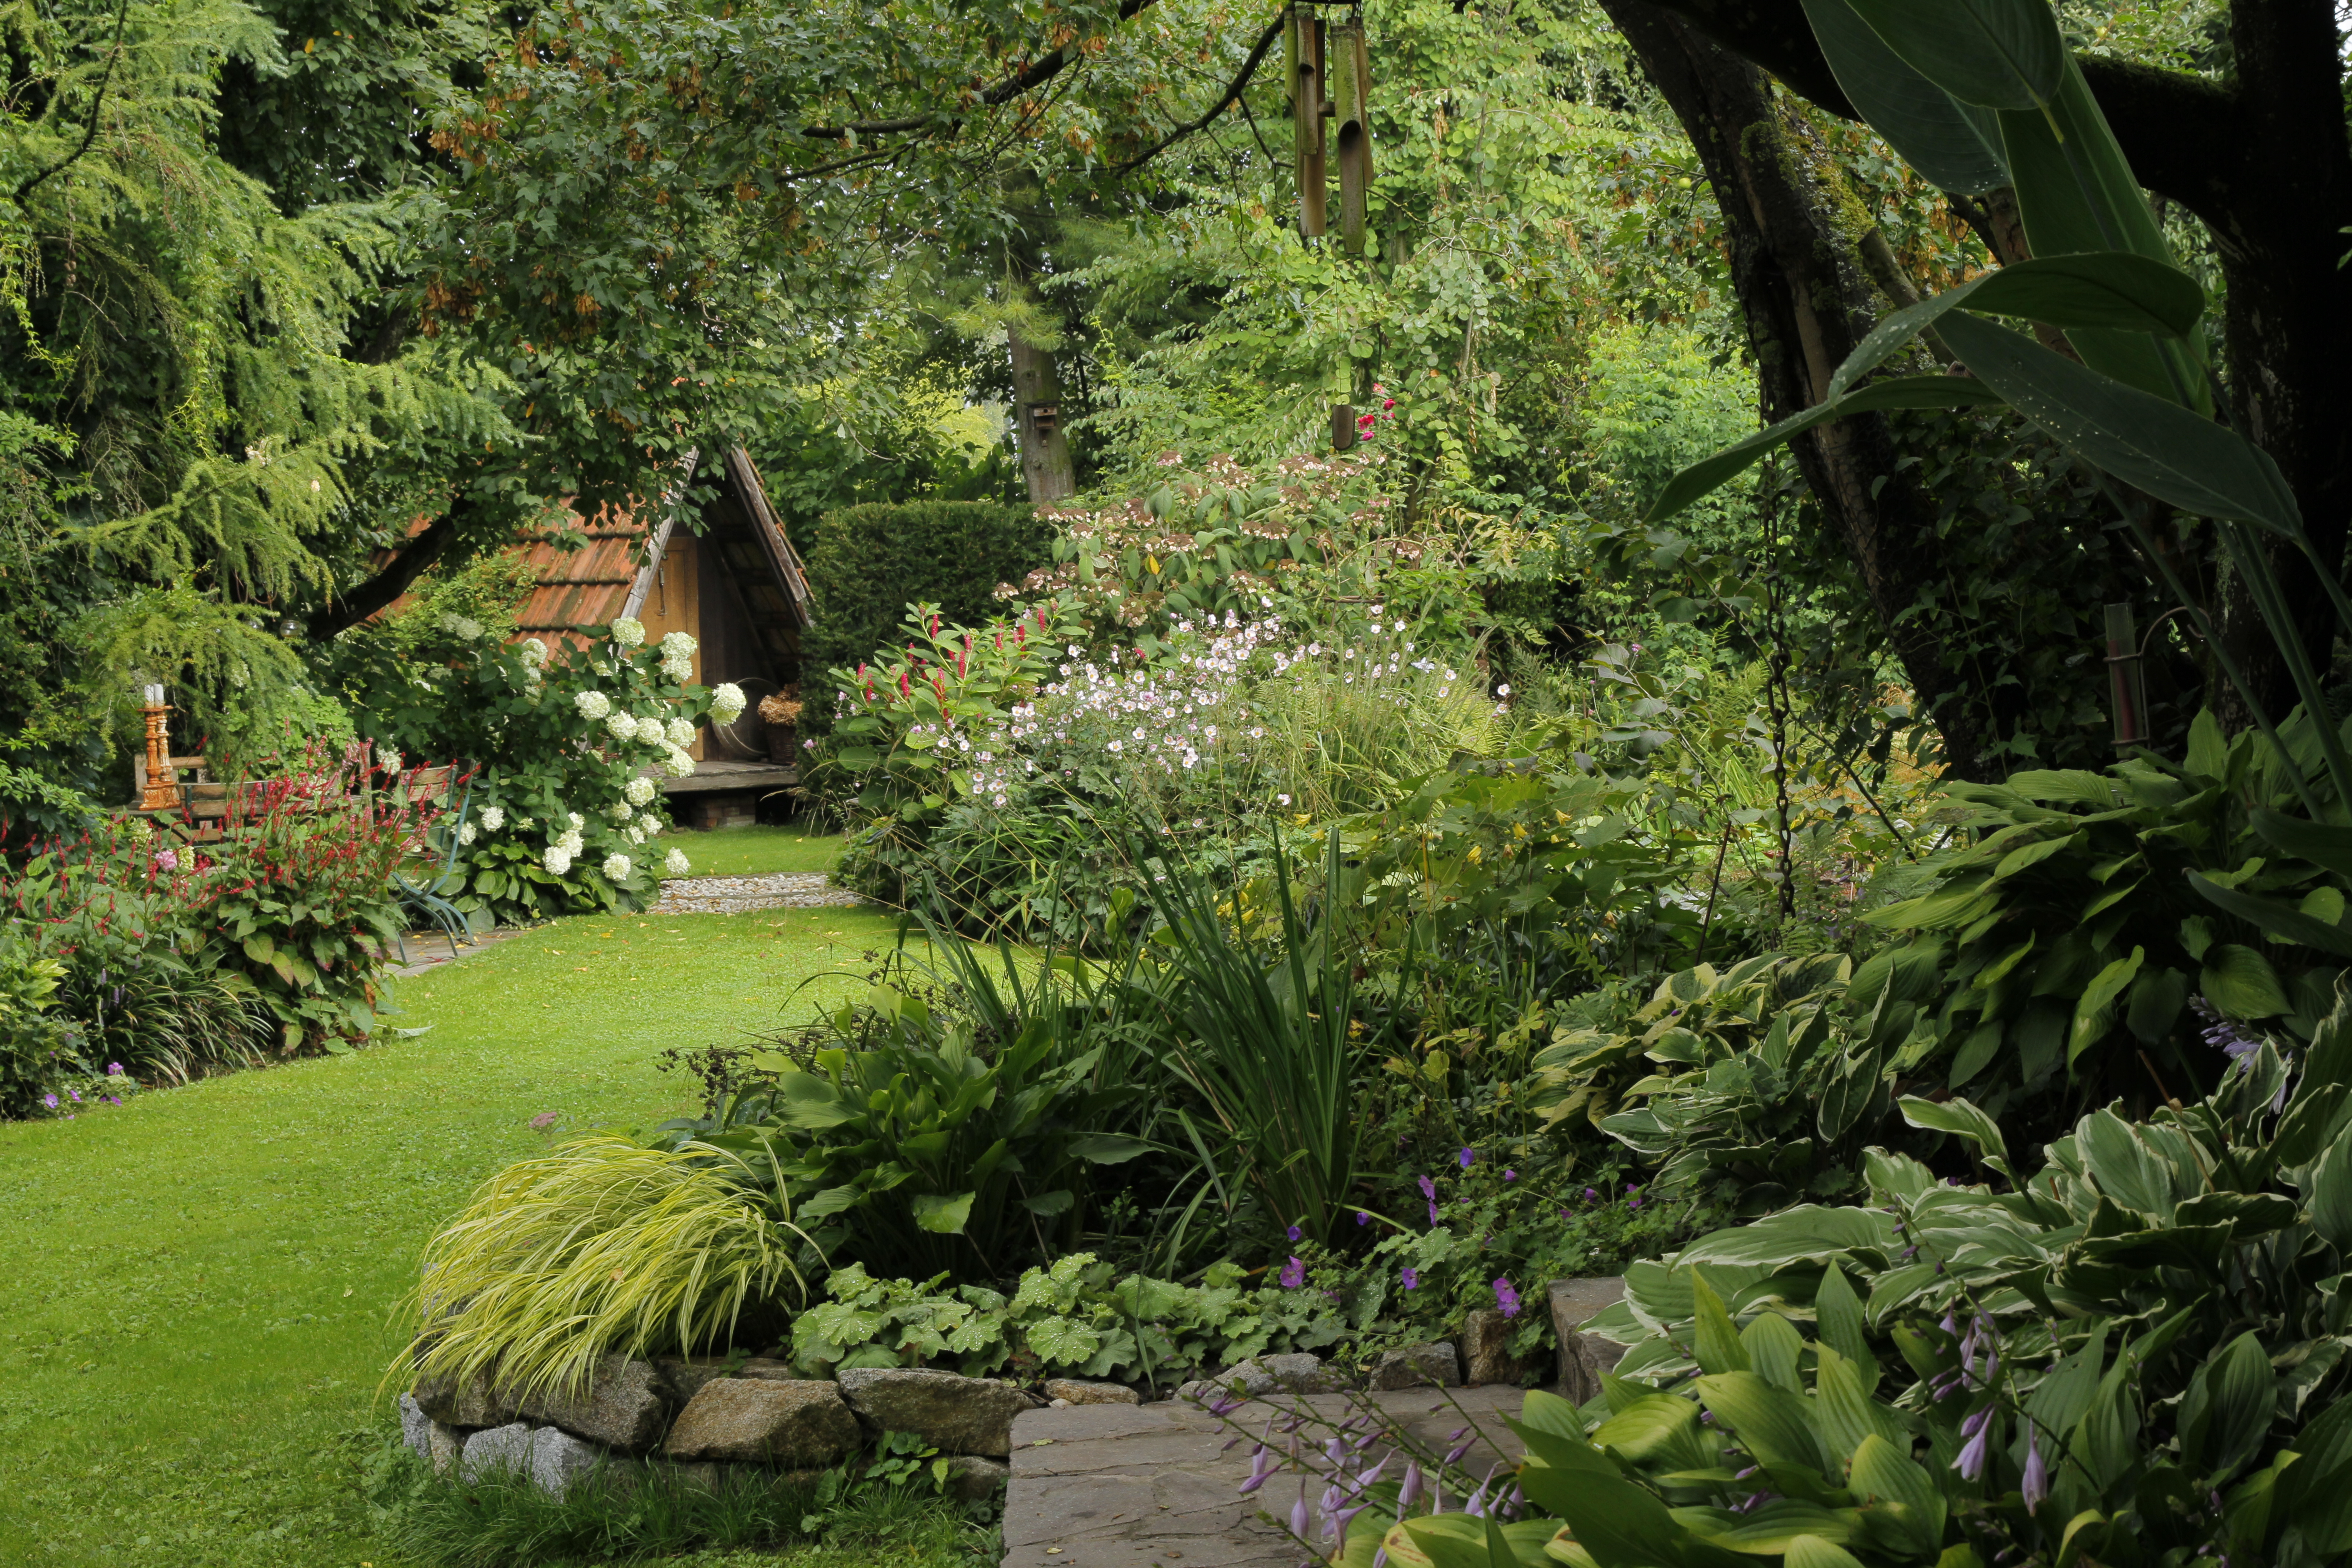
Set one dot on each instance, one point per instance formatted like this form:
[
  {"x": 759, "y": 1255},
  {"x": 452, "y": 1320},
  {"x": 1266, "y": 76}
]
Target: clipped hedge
[{"x": 869, "y": 563}]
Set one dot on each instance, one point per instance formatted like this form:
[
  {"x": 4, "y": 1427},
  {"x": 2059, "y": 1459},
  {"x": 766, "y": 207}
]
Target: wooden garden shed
[{"x": 736, "y": 585}]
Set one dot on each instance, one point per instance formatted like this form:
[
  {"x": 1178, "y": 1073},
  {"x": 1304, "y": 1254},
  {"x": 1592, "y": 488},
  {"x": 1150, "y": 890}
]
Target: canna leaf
[
  {"x": 2144, "y": 440},
  {"x": 2002, "y": 54},
  {"x": 1956, "y": 146}
]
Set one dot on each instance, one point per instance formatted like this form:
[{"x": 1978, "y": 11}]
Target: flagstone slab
[{"x": 1155, "y": 1485}]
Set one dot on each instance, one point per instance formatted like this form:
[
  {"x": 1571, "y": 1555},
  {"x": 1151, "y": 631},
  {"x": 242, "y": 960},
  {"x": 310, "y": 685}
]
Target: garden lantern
[{"x": 163, "y": 791}]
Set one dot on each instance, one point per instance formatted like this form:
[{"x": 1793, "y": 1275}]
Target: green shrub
[
  {"x": 867, "y": 563},
  {"x": 959, "y": 1134},
  {"x": 39, "y": 1047}
]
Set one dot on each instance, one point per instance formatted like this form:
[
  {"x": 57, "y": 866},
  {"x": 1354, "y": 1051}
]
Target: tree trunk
[
  {"x": 2264, "y": 159},
  {"x": 1037, "y": 419},
  {"x": 1808, "y": 301}
]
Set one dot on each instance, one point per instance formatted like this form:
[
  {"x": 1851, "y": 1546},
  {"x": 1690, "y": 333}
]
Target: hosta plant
[{"x": 2131, "y": 1353}]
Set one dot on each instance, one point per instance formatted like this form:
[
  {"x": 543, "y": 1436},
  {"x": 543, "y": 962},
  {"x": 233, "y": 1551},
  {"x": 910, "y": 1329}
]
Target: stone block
[
  {"x": 559, "y": 1459},
  {"x": 1486, "y": 1351},
  {"x": 972, "y": 1478},
  {"x": 447, "y": 1448},
  {"x": 744, "y": 1420},
  {"x": 416, "y": 1426},
  {"x": 473, "y": 1403},
  {"x": 622, "y": 1407},
  {"x": 497, "y": 1448},
  {"x": 958, "y": 1415},
  {"x": 1583, "y": 1357},
  {"x": 1418, "y": 1366},
  {"x": 1077, "y": 1392}
]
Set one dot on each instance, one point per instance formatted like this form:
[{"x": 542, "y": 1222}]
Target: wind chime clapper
[
  {"x": 163, "y": 791},
  {"x": 2127, "y": 685}
]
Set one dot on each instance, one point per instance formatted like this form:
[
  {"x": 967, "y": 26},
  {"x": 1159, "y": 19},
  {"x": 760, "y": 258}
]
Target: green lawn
[
  {"x": 753, "y": 852},
  {"x": 197, "y": 1309}
]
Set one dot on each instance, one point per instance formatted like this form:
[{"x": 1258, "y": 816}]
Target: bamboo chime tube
[
  {"x": 1303, "y": 48},
  {"x": 1351, "y": 130}
]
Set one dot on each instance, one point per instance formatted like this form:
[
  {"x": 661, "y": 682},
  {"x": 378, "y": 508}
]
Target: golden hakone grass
[{"x": 599, "y": 1246}]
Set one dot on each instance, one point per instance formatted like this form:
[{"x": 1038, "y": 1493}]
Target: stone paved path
[
  {"x": 734, "y": 895},
  {"x": 1153, "y": 1486}
]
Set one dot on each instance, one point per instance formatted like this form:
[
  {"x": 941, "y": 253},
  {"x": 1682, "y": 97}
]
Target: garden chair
[{"x": 428, "y": 868}]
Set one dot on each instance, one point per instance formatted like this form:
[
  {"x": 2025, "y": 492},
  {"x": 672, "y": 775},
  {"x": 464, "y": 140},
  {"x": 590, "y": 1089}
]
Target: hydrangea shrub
[{"x": 565, "y": 745}]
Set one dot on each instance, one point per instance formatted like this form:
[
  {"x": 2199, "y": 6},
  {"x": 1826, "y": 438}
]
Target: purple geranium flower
[
  {"x": 1506, "y": 1299},
  {"x": 1294, "y": 1275},
  {"x": 1412, "y": 1279},
  {"x": 1294, "y": 1233},
  {"x": 114, "y": 1069},
  {"x": 1591, "y": 1194},
  {"x": 1511, "y": 1175},
  {"x": 1428, "y": 1188},
  {"x": 50, "y": 1101},
  {"x": 1362, "y": 1217},
  {"x": 1466, "y": 1157}
]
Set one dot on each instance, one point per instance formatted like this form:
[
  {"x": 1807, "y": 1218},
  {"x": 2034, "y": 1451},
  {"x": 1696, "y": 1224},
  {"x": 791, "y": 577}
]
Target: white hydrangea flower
[
  {"x": 678, "y": 669},
  {"x": 577, "y": 820},
  {"x": 463, "y": 627},
  {"x": 633, "y": 835},
  {"x": 493, "y": 818},
  {"x": 652, "y": 731},
  {"x": 681, "y": 733},
  {"x": 677, "y": 645},
  {"x": 678, "y": 764},
  {"x": 534, "y": 652},
  {"x": 617, "y": 866},
  {"x": 466, "y": 834},
  {"x": 570, "y": 843},
  {"x": 726, "y": 702},
  {"x": 591, "y": 704},
  {"x": 650, "y": 825},
  {"x": 628, "y": 631},
  {"x": 622, "y": 726},
  {"x": 676, "y": 863},
  {"x": 620, "y": 811},
  {"x": 557, "y": 859},
  {"x": 639, "y": 790}
]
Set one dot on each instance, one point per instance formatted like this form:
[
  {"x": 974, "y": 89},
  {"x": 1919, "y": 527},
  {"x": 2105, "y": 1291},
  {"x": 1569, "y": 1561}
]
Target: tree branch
[
  {"x": 1232, "y": 95},
  {"x": 89, "y": 133},
  {"x": 389, "y": 585},
  {"x": 1036, "y": 74}
]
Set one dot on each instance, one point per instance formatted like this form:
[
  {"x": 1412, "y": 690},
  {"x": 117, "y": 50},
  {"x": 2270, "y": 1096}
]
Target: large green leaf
[
  {"x": 942, "y": 1214},
  {"x": 1715, "y": 1342},
  {"x": 2228, "y": 1409},
  {"x": 2242, "y": 982},
  {"x": 2095, "y": 1012},
  {"x": 1955, "y": 145},
  {"x": 1881, "y": 1471},
  {"x": 1838, "y": 1313},
  {"x": 2092, "y": 288},
  {"x": 1774, "y": 1425},
  {"x": 2173, "y": 454},
  {"x": 2002, "y": 54},
  {"x": 2321, "y": 843},
  {"x": 2278, "y": 919},
  {"x": 1646, "y": 1427},
  {"x": 2330, "y": 1194},
  {"x": 1907, "y": 392},
  {"x": 1963, "y": 1119}
]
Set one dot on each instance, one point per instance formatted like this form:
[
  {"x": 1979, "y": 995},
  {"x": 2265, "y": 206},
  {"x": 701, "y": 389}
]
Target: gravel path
[{"x": 734, "y": 895}]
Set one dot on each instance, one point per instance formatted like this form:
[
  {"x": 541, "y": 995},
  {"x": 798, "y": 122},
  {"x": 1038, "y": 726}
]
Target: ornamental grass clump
[{"x": 604, "y": 1245}]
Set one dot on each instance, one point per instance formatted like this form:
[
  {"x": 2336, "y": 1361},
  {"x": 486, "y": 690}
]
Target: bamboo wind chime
[{"x": 1330, "y": 77}]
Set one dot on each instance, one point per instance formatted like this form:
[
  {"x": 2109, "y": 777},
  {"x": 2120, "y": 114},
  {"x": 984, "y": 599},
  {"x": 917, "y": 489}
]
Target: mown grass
[
  {"x": 756, "y": 851},
  {"x": 196, "y": 1311}
]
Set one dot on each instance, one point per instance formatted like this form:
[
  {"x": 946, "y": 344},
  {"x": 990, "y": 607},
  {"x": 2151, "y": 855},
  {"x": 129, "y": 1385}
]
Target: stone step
[{"x": 1153, "y": 1486}]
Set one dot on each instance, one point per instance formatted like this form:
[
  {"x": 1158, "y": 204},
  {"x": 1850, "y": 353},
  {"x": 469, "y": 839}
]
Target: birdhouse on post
[
  {"x": 1351, "y": 129},
  {"x": 1302, "y": 49}
]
